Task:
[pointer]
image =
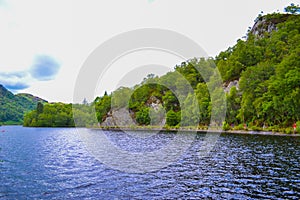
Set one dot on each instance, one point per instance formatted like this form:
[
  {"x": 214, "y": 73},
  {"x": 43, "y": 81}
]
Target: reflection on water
[{"x": 54, "y": 164}]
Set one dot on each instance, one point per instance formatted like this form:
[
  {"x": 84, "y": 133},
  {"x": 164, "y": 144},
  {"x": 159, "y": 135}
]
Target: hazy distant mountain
[{"x": 13, "y": 107}]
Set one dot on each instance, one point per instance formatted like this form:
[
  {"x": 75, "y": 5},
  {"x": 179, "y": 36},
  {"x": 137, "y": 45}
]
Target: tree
[
  {"x": 170, "y": 101},
  {"x": 85, "y": 102},
  {"x": 39, "y": 108},
  {"x": 293, "y": 9},
  {"x": 53, "y": 115},
  {"x": 190, "y": 111},
  {"x": 203, "y": 97},
  {"x": 120, "y": 98},
  {"x": 102, "y": 107},
  {"x": 233, "y": 105},
  {"x": 172, "y": 118},
  {"x": 142, "y": 116}
]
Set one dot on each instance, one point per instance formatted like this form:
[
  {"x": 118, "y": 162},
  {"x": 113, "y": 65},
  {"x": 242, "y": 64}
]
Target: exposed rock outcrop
[
  {"x": 119, "y": 117},
  {"x": 231, "y": 84},
  {"x": 123, "y": 117},
  {"x": 266, "y": 24}
]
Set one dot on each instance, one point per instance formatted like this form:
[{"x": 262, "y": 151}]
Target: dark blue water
[{"x": 55, "y": 164}]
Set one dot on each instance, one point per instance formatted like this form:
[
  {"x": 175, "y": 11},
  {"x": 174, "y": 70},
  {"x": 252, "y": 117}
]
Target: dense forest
[
  {"x": 13, "y": 107},
  {"x": 260, "y": 74},
  {"x": 59, "y": 115}
]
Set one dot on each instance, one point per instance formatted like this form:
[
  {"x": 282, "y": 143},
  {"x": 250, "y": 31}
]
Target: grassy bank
[{"x": 237, "y": 129}]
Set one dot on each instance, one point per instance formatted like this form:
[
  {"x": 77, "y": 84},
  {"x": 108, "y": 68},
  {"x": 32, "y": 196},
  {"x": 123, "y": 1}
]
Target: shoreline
[{"x": 241, "y": 132}]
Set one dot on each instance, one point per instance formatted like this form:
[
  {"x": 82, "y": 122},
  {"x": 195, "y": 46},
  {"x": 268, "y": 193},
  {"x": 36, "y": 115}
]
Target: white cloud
[
  {"x": 15, "y": 81},
  {"x": 43, "y": 68}
]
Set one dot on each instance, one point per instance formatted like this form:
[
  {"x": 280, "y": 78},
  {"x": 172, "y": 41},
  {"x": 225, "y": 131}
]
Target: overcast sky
[{"x": 45, "y": 42}]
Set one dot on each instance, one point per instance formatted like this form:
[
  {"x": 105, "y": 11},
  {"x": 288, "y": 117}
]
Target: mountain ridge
[{"x": 13, "y": 107}]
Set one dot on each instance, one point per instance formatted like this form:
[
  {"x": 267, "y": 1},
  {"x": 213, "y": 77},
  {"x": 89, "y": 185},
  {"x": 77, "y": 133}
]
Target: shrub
[
  {"x": 288, "y": 130},
  {"x": 226, "y": 126},
  {"x": 298, "y": 127},
  {"x": 239, "y": 127},
  {"x": 255, "y": 128}
]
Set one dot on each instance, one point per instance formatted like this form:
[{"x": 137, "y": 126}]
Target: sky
[{"x": 45, "y": 43}]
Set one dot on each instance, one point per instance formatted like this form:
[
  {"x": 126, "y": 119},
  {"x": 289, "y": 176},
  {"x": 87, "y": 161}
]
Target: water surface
[{"x": 53, "y": 163}]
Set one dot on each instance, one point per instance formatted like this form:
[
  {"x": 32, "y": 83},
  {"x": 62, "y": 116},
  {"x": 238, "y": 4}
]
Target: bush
[
  {"x": 172, "y": 118},
  {"x": 142, "y": 116},
  {"x": 298, "y": 127},
  {"x": 167, "y": 127},
  {"x": 274, "y": 128},
  {"x": 177, "y": 126},
  {"x": 239, "y": 127},
  {"x": 226, "y": 126},
  {"x": 255, "y": 128},
  {"x": 201, "y": 127},
  {"x": 288, "y": 130}
]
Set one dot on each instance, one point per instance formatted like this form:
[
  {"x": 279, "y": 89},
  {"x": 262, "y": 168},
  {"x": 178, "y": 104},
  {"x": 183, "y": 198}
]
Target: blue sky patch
[
  {"x": 14, "y": 80},
  {"x": 44, "y": 68}
]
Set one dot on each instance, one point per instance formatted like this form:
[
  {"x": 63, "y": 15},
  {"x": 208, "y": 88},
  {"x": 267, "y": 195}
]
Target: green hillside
[
  {"x": 267, "y": 66},
  {"x": 13, "y": 107},
  {"x": 261, "y": 77}
]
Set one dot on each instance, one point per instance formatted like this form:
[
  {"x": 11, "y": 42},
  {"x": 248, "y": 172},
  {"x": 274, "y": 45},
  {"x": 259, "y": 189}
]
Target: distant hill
[{"x": 13, "y": 107}]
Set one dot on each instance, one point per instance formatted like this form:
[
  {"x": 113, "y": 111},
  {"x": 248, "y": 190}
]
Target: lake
[{"x": 57, "y": 163}]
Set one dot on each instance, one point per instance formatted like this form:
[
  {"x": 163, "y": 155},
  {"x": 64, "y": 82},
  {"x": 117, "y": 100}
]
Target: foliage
[
  {"x": 293, "y": 9},
  {"x": 13, "y": 107},
  {"x": 226, "y": 126},
  {"x": 233, "y": 105},
  {"x": 269, "y": 83},
  {"x": 52, "y": 115},
  {"x": 173, "y": 118},
  {"x": 60, "y": 115},
  {"x": 298, "y": 127},
  {"x": 102, "y": 107},
  {"x": 142, "y": 116}
]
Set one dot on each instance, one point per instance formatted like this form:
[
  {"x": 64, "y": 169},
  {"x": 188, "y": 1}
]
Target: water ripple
[{"x": 55, "y": 164}]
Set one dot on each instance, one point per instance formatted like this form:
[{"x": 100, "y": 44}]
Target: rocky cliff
[{"x": 267, "y": 24}]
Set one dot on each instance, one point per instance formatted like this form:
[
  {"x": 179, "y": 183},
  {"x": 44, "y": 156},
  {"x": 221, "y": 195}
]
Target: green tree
[
  {"x": 173, "y": 118},
  {"x": 39, "y": 108},
  {"x": 293, "y": 9},
  {"x": 190, "y": 111},
  {"x": 102, "y": 107},
  {"x": 120, "y": 97},
  {"x": 203, "y": 97},
  {"x": 233, "y": 100},
  {"x": 170, "y": 101},
  {"x": 142, "y": 116}
]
